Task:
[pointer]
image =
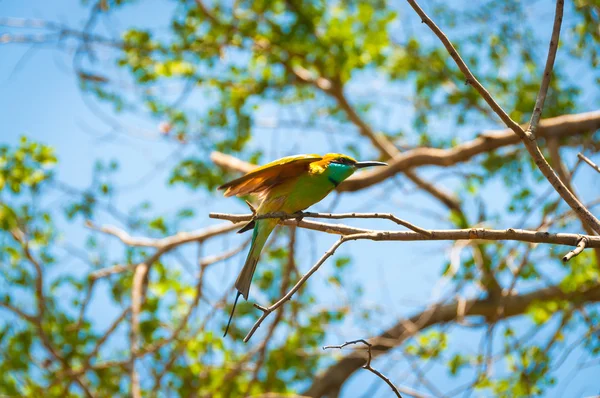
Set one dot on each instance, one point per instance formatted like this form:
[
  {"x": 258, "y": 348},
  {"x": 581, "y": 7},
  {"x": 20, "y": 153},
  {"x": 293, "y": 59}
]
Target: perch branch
[
  {"x": 365, "y": 234},
  {"x": 300, "y": 215},
  {"x": 521, "y": 235}
]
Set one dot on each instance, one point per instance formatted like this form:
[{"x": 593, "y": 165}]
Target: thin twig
[
  {"x": 588, "y": 161},
  {"x": 541, "y": 97},
  {"x": 515, "y": 305},
  {"x": 338, "y": 216},
  {"x": 298, "y": 285},
  {"x": 368, "y": 364},
  {"x": 565, "y": 176},
  {"x": 580, "y": 246}
]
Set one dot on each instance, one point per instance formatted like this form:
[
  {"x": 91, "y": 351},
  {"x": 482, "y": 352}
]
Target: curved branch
[
  {"x": 559, "y": 127},
  {"x": 336, "y": 375},
  {"x": 167, "y": 243}
]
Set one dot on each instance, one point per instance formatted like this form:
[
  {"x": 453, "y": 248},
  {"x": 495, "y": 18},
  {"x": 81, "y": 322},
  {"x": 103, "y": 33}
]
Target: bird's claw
[
  {"x": 252, "y": 208},
  {"x": 299, "y": 216}
]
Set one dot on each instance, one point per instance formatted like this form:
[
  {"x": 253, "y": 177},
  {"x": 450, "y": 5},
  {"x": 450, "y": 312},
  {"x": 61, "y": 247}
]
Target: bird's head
[{"x": 337, "y": 167}]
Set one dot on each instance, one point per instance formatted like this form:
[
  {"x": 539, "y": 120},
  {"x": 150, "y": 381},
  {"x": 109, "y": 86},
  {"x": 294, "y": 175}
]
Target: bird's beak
[{"x": 360, "y": 165}]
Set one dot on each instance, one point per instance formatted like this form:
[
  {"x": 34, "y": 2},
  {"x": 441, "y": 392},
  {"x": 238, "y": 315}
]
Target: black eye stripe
[{"x": 342, "y": 161}]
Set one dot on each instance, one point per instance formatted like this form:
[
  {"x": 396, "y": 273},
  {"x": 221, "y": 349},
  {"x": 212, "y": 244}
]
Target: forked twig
[{"x": 368, "y": 364}]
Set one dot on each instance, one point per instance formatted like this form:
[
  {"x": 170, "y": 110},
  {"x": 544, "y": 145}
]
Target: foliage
[{"x": 237, "y": 59}]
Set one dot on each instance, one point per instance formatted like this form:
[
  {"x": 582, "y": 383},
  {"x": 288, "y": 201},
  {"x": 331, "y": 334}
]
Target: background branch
[
  {"x": 559, "y": 127},
  {"x": 530, "y": 144},
  {"x": 367, "y": 365}
]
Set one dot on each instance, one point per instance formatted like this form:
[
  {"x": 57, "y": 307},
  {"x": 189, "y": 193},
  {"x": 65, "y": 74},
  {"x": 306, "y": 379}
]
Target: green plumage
[{"x": 287, "y": 185}]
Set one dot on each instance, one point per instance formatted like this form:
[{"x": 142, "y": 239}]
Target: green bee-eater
[{"x": 288, "y": 185}]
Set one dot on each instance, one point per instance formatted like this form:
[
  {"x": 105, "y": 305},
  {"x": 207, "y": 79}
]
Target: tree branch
[
  {"x": 589, "y": 162},
  {"x": 364, "y": 234},
  {"x": 368, "y": 364},
  {"x": 333, "y": 378},
  {"x": 433, "y": 234},
  {"x": 267, "y": 311},
  {"x": 565, "y": 176},
  {"x": 559, "y": 127},
  {"x": 528, "y": 139},
  {"x": 541, "y": 97},
  {"x": 580, "y": 246},
  {"x": 165, "y": 244}
]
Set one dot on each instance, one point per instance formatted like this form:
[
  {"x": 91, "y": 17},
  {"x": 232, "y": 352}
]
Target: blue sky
[{"x": 39, "y": 97}]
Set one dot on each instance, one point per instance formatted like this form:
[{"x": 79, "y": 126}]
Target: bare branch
[
  {"x": 565, "y": 176},
  {"x": 368, "y": 364},
  {"x": 541, "y": 97},
  {"x": 332, "y": 378},
  {"x": 350, "y": 233},
  {"x": 589, "y": 162},
  {"x": 580, "y": 246},
  {"x": 434, "y": 234},
  {"x": 475, "y": 233},
  {"x": 137, "y": 293},
  {"x": 471, "y": 79},
  {"x": 528, "y": 139},
  {"x": 300, "y": 215},
  {"x": 559, "y": 127},
  {"x": 167, "y": 243},
  {"x": 298, "y": 285}
]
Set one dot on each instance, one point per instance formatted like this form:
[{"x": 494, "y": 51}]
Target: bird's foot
[{"x": 298, "y": 216}]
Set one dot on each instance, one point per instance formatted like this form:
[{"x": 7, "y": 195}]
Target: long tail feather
[
  {"x": 262, "y": 230},
  {"x": 247, "y": 227},
  {"x": 231, "y": 315}
]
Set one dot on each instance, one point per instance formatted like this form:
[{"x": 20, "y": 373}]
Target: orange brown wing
[{"x": 262, "y": 178}]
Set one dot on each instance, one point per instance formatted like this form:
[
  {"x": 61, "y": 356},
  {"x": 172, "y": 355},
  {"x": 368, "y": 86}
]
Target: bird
[{"x": 289, "y": 185}]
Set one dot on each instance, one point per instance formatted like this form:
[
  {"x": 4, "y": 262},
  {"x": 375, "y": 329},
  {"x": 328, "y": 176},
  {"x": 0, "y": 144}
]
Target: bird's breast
[{"x": 298, "y": 194}]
